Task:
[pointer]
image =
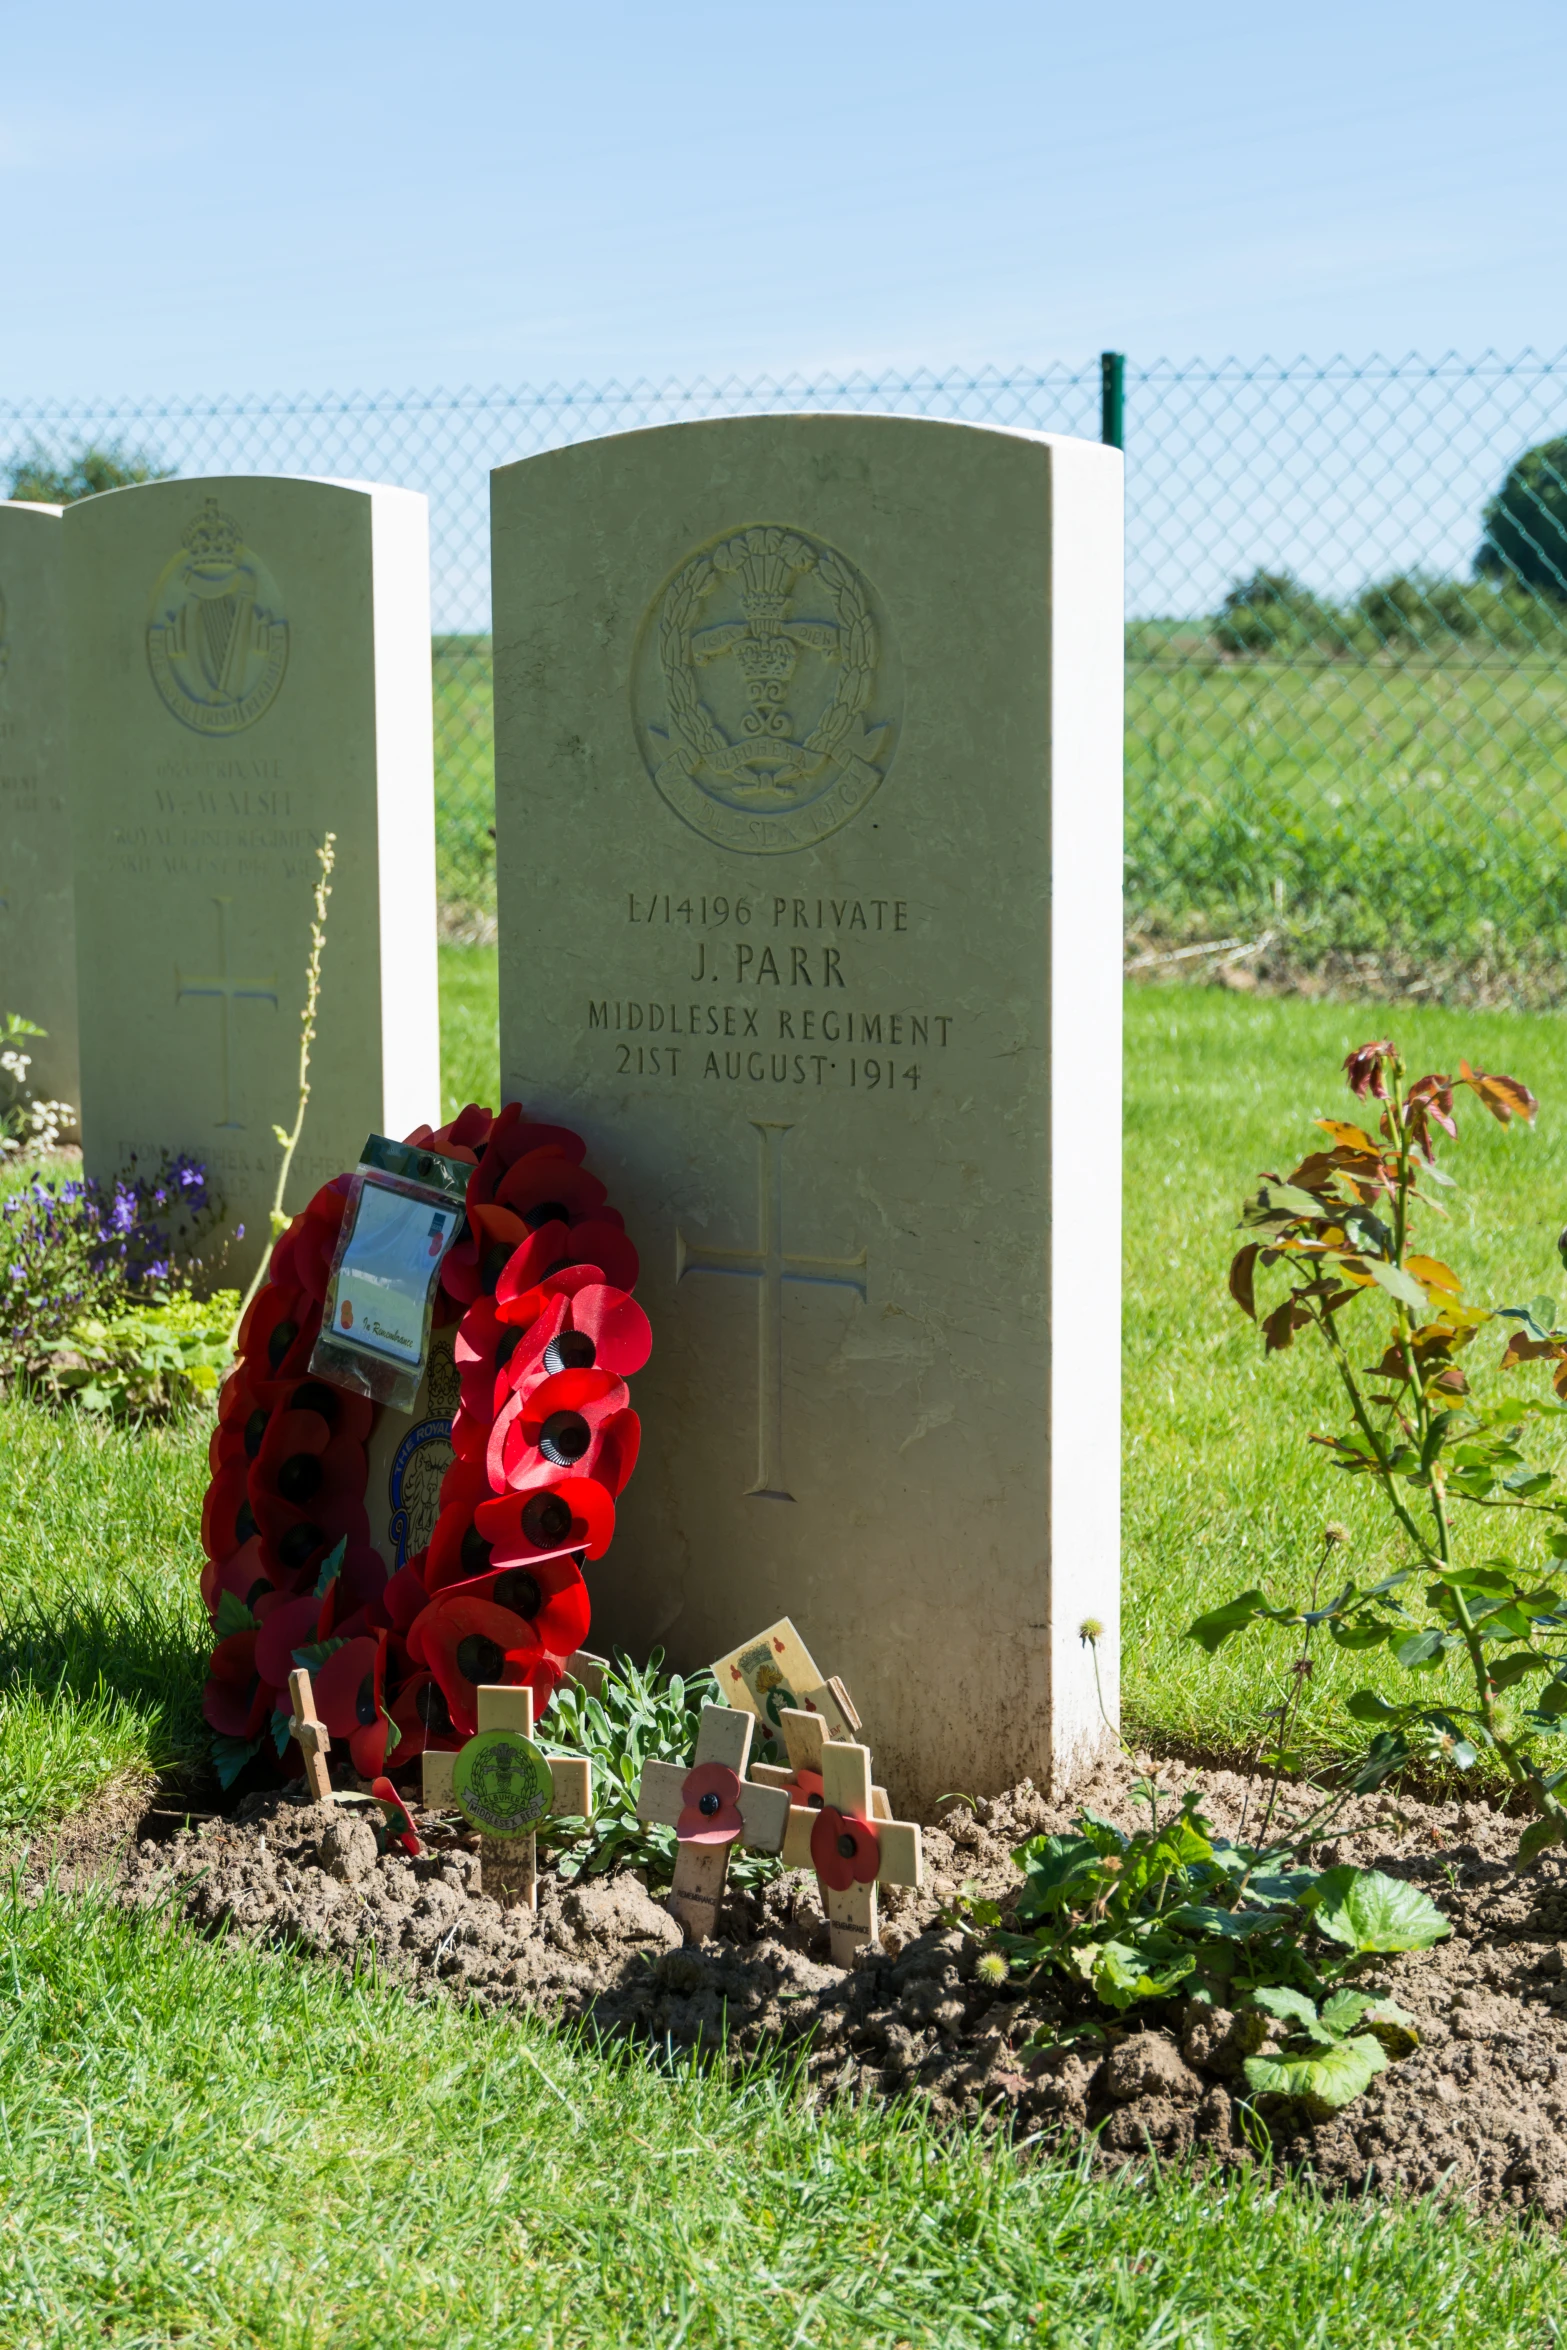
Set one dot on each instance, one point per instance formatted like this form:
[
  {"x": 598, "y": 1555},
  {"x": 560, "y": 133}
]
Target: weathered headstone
[
  {"x": 37, "y": 929},
  {"x": 249, "y": 670},
  {"x": 809, "y": 838}
]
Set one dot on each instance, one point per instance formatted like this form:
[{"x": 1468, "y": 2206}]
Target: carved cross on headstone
[
  {"x": 228, "y": 991},
  {"x": 310, "y": 1732},
  {"x": 769, "y": 1267},
  {"x": 508, "y": 1861},
  {"x": 711, "y": 1806}
]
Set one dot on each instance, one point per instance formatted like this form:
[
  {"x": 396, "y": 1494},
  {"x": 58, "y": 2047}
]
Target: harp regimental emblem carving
[
  {"x": 217, "y": 639},
  {"x": 767, "y": 692}
]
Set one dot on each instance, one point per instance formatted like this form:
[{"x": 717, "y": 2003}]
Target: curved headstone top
[
  {"x": 37, "y": 924},
  {"x": 809, "y": 846},
  {"x": 249, "y": 670}
]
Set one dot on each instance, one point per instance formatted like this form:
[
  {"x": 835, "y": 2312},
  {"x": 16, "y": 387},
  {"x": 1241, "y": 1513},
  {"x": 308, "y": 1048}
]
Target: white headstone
[
  {"x": 809, "y": 839},
  {"x": 249, "y": 670},
  {"x": 37, "y": 935}
]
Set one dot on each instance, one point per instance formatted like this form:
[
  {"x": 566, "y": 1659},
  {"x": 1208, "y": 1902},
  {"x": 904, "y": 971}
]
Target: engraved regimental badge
[
  {"x": 217, "y": 641},
  {"x": 767, "y": 692}
]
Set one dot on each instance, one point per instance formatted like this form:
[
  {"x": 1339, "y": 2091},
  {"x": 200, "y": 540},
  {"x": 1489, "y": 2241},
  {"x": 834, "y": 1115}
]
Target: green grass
[
  {"x": 219, "y": 2147},
  {"x": 222, "y": 2148},
  {"x": 1223, "y": 1488},
  {"x": 1416, "y": 804}
]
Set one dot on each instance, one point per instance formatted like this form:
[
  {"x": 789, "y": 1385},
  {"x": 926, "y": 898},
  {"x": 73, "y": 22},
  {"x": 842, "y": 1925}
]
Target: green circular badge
[{"x": 502, "y": 1783}]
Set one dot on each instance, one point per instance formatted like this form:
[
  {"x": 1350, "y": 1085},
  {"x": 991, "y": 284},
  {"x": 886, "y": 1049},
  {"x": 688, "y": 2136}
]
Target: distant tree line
[{"x": 1517, "y": 599}]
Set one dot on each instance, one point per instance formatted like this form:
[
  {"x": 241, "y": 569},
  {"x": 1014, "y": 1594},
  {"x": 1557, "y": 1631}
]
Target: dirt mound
[{"x": 1481, "y": 2105}]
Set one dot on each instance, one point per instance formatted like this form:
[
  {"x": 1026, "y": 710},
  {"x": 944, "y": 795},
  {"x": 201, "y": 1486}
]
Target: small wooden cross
[
  {"x": 804, "y": 1736},
  {"x": 723, "y": 1749},
  {"x": 308, "y": 1728},
  {"x": 895, "y": 1849},
  {"x": 508, "y": 1865}
]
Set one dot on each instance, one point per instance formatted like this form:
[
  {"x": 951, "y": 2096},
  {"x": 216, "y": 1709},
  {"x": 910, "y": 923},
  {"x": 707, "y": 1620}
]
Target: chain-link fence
[{"x": 1346, "y": 618}]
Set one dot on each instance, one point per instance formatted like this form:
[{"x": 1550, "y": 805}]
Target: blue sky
[{"x": 281, "y": 197}]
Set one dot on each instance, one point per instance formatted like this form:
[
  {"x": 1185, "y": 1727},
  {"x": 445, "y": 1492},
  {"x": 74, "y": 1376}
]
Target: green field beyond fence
[{"x": 1346, "y": 733}]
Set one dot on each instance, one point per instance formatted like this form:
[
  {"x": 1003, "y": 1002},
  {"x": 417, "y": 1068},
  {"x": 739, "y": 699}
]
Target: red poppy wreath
[{"x": 544, "y": 1440}]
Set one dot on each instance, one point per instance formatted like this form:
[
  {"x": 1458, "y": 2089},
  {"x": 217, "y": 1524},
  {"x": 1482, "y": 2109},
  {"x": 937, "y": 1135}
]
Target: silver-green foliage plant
[{"x": 639, "y": 1715}]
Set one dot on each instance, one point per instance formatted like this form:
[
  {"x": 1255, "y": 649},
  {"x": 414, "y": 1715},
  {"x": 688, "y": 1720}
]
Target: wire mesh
[{"x": 1346, "y": 614}]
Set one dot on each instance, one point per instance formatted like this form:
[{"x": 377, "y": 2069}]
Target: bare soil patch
[{"x": 1480, "y": 2108}]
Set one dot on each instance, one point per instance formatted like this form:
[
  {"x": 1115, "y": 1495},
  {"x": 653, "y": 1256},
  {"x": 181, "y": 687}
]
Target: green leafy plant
[
  {"x": 1448, "y": 1465},
  {"x": 1176, "y": 1911},
  {"x": 1329, "y": 2053},
  {"x": 146, "y": 1361},
  {"x": 637, "y": 1715}
]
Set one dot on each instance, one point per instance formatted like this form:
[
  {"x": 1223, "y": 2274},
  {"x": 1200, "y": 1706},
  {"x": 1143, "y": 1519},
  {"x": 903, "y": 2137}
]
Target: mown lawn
[{"x": 212, "y": 2147}]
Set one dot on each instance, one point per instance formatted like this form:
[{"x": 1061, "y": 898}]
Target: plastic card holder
[{"x": 405, "y": 1210}]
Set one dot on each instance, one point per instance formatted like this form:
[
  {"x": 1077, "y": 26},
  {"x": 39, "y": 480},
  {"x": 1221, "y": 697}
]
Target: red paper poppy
[
  {"x": 307, "y": 1487},
  {"x": 555, "y": 1427},
  {"x": 552, "y": 1518},
  {"x": 245, "y": 1405},
  {"x": 371, "y": 1745},
  {"x": 805, "y": 1789},
  {"x": 548, "y": 1594},
  {"x": 404, "y": 1596},
  {"x": 556, "y": 1247},
  {"x": 286, "y": 1624},
  {"x": 467, "y": 1643},
  {"x": 457, "y": 1552},
  {"x": 345, "y": 1686},
  {"x": 547, "y": 1187},
  {"x": 709, "y": 1806},
  {"x": 399, "y": 1819},
  {"x": 236, "y": 1701},
  {"x": 242, "y": 1573},
  {"x": 228, "y": 1522},
  {"x": 596, "y": 1328},
  {"x": 279, "y": 1331},
  {"x": 621, "y": 1442},
  {"x": 511, "y": 1138},
  {"x": 483, "y": 1348},
  {"x": 423, "y": 1719},
  {"x": 303, "y": 1254},
  {"x": 845, "y": 1849}
]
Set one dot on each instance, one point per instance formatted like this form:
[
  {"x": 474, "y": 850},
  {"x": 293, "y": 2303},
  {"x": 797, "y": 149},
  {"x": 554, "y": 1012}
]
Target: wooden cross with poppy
[
  {"x": 711, "y": 1806},
  {"x": 307, "y": 1727},
  {"x": 804, "y": 1735},
  {"x": 853, "y": 1850},
  {"x": 508, "y": 1864}
]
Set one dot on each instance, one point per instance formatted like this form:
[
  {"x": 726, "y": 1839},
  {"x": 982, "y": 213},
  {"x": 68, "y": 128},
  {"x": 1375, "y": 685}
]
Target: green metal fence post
[{"x": 1112, "y": 399}]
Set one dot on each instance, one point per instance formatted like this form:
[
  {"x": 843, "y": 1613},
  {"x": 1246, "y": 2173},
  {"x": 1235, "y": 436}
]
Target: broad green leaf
[
  {"x": 233, "y": 1616},
  {"x": 1120, "y": 1977},
  {"x": 1420, "y": 1648},
  {"x": 1231, "y": 1925},
  {"x": 1507, "y": 1671},
  {"x": 1214, "y": 1628},
  {"x": 1366, "y": 1706},
  {"x": 1368, "y": 1911},
  {"x": 230, "y": 1755},
  {"x": 1396, "y": 1282},
  {"x": 1539, "y": 1836},
  {"x": 1323, "y": 2084},
  {"x": 1057, "y": 1872},
  {"x": 1395, "y": 2032},
  {"x": 1291, "y": 2007}
]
